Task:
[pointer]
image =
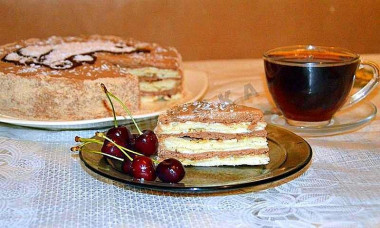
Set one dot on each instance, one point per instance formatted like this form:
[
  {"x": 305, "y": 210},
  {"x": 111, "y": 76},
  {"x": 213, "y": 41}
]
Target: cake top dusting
[
  {"x": 202, "y": 106},
  {"x": 211, "y": 111},
  {"x": 67, "y": 53}
]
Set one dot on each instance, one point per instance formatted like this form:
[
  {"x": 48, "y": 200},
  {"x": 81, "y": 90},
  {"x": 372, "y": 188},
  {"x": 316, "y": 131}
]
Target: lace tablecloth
[{"x": 42, "y": 184}]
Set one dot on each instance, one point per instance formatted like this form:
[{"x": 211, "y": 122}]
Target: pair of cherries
[
  {"x": 138, "y": 164},
  {"x": 145, "y": 143},
  {"x": 141, "y": 167}
]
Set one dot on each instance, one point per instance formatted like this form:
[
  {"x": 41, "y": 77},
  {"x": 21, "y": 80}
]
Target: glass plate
[
  {"x": 289, "y": 153},
  {"x": 346, "y": 120}
]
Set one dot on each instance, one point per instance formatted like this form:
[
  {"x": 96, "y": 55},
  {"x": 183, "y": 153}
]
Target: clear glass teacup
[{"x": 309, "y": 84}]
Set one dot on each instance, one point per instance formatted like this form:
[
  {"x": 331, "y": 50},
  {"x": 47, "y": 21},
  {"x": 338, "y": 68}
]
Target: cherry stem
[
  {"x": 123, "y": 148},
  {"x": 87, "y": 140},
  {"x": 126, "y": 109},
  {"x": 109, "y": 99},
  {"x": 80, "y": 148},
  {"x": 108, "y": 155},
  {"x": 75, "y": 148},
  {"x": 155, "y": 161}
]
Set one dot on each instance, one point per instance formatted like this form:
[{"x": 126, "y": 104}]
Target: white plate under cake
[{"x": 58, "y": 78}]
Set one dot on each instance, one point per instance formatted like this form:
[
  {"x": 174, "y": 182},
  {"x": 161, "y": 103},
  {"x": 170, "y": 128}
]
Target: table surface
[{"x": 42, "y": 184}]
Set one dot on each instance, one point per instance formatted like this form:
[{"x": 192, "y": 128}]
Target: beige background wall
[{"x": 202, "y": 29}]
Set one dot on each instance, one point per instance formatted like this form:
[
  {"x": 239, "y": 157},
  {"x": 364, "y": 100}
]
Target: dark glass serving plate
[{"x": 289, "y": 153}]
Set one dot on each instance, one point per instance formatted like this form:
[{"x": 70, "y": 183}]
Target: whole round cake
[{"x": 59, "y": 78}]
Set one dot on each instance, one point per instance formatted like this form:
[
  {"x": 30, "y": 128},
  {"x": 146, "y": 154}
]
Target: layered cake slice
[
  {"x": 59, "y": 78},
  {"x": 213, "y": 134}
]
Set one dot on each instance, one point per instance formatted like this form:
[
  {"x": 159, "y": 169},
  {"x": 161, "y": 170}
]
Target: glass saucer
[{"x": 346, "y": 120}]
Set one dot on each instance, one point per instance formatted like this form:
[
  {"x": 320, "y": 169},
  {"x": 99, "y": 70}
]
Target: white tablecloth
[{"x": 43, "y": 184}]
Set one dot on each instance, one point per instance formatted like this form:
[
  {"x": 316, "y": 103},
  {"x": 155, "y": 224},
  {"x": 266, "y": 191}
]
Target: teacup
[{"x": 309, "y": 84}]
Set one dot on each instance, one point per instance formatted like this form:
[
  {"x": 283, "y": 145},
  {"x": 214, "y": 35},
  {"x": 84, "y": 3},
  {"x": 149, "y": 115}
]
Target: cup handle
[{"x": 363, "y": 92}]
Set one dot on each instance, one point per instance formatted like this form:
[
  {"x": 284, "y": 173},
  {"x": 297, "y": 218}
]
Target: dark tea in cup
[{"x": 309, "y": 84}]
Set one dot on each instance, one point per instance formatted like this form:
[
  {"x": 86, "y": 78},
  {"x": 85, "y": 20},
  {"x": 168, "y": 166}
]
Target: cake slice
[{"x": 213, "y": 134}]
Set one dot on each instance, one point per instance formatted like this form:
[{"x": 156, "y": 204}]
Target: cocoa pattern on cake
[
  {"x": 25, "y": 57},
  {"x": 61, "y": 56},
  {"x": 202, "y": 111}
]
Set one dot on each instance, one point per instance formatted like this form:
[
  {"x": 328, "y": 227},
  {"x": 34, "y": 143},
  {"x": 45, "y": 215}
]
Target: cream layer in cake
[
  {"x": 191, "y": 126},
  {"x": 187, "y": 145},
  {"x": 153, "y": 72},
  {"x": 158, "y": 86},
  {"x": 154, "y": 98},
  {"x": 259, "y": 159},
  {"x": 209, "y": 134}
]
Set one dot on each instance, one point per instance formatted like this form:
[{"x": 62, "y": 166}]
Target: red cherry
[
  {"x": 121, "y": 136},
  {"x": 143, "y": 168},
  {"x": 170, "y": 171},
  {"x": 132, "y": 142},
  {"x": 147, "y": 143},
  {"x": 120, "y": 132},
  {"x": 127, "y": 165},
  {"x": 109, "y": 148}
]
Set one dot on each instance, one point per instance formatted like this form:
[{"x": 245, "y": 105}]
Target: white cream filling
[
  {"x": 194, "y": 146},
  {"x": 152, "y": 71},
  {"x": 191, "y": 126},
  {"x": 150, "y": 99},
  {"x": 260, "y": 159},
  {"x": 158, "y": 86}
]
